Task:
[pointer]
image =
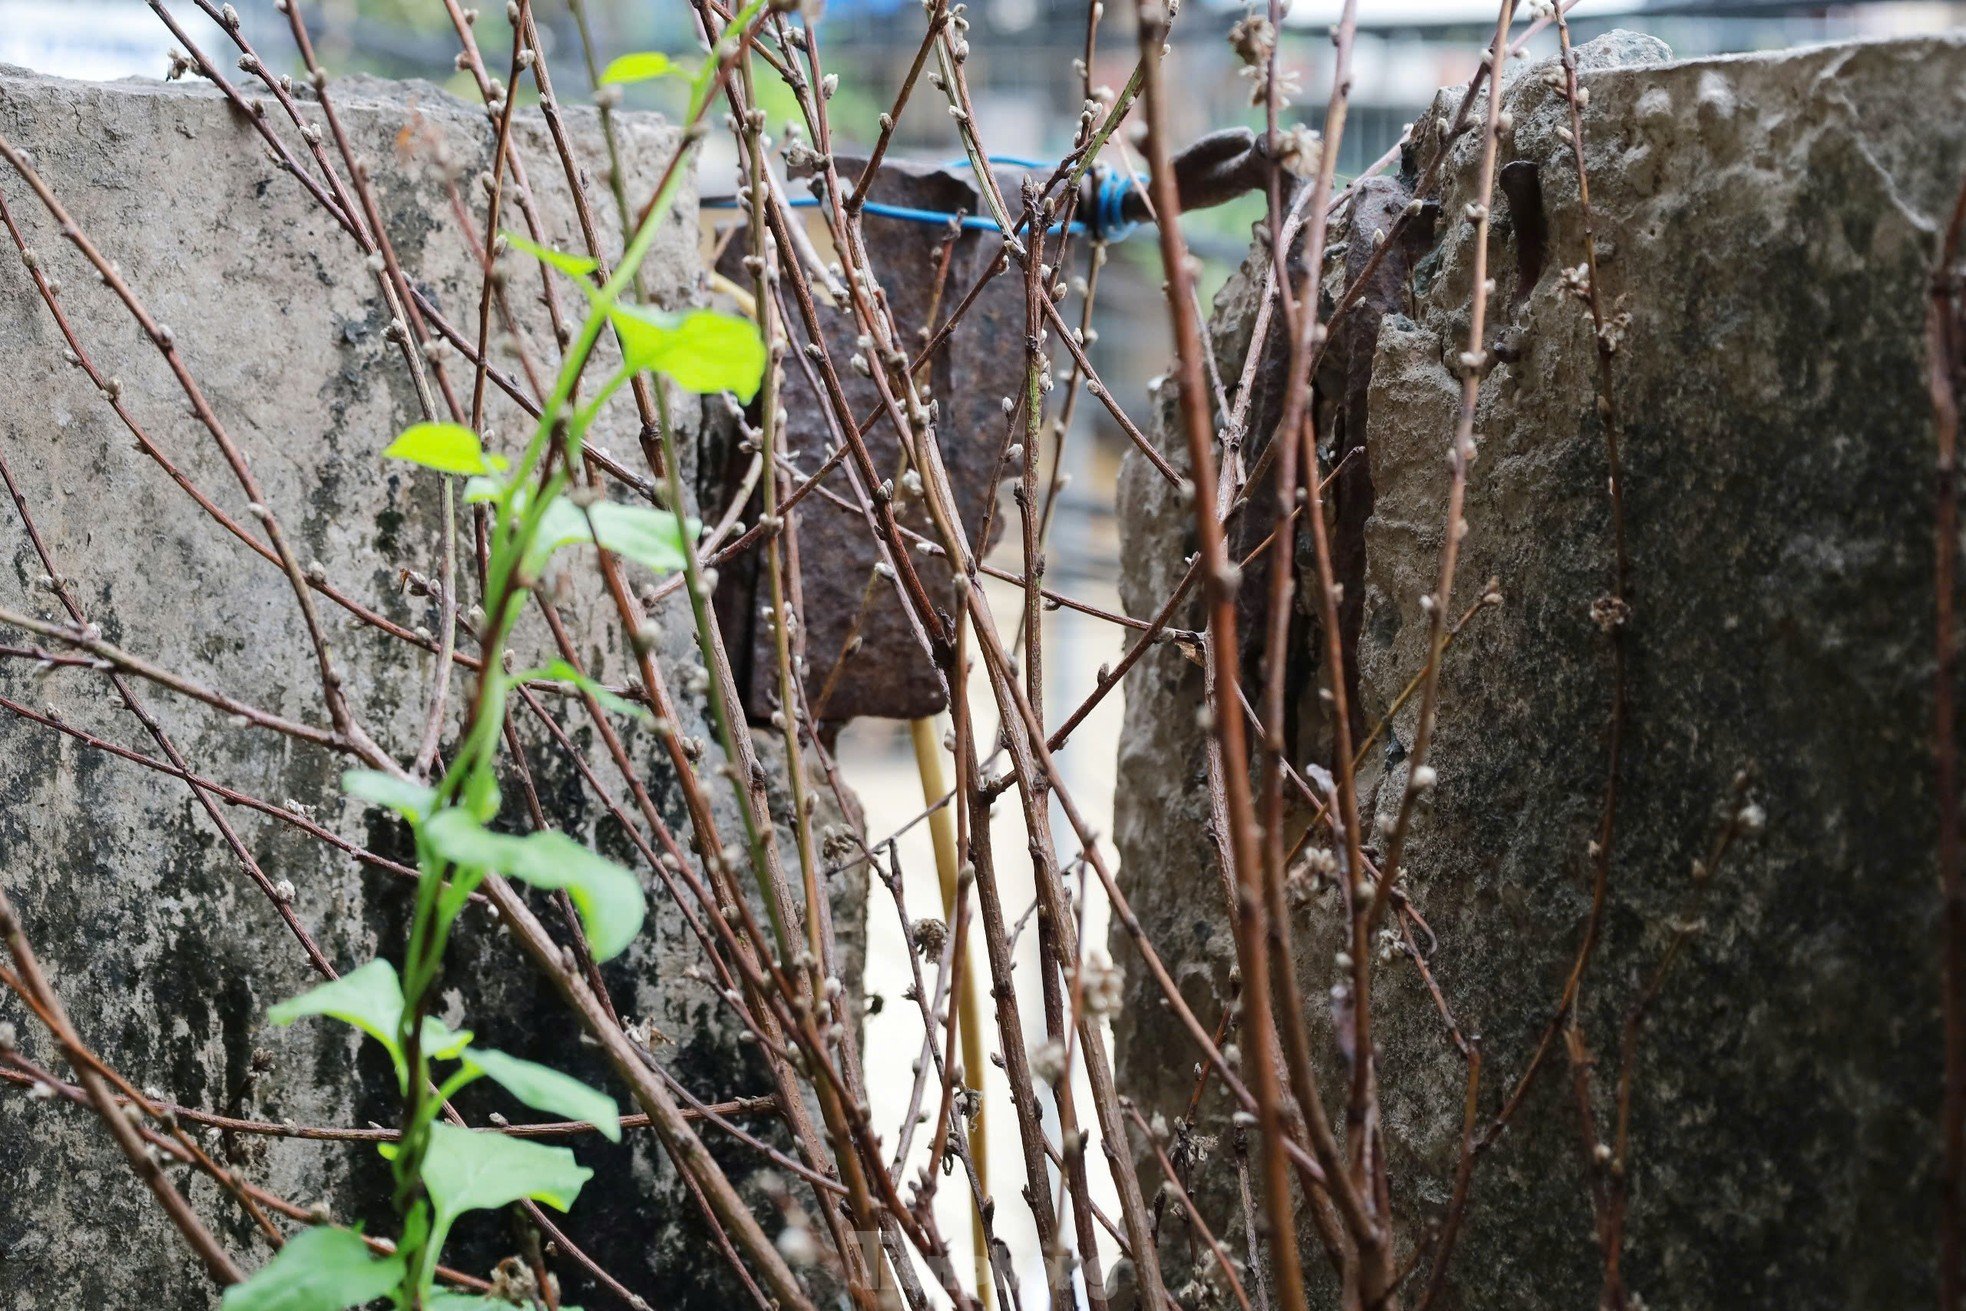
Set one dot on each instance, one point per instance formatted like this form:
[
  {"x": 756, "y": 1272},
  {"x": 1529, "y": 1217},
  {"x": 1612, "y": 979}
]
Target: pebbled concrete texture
[
  {"x": 1768, "y": 223},
  {"x": 166, "y": 954}
]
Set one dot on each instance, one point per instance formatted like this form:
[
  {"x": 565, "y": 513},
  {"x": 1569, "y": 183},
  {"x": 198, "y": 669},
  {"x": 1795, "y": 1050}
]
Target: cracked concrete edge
[
  {"x": 166, "y": 956},
  {"x": 1768, "y": 219}
]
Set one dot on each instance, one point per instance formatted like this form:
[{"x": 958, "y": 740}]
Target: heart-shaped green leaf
[
  {"x": 321, "y": 1269},
  {"x": 639, "y": 67},
  {"x": 546, "y": 1089},
  {"x": 371, "y": 999},
  {"x": 575, "y": 266},
  {"x": 466, "y": 1171},
  {"x": 704, "y": 351},
  {"x": 641, "y": 533},
  {"x": 410, "y": 800},
  {"x": 644, "y": 534},
  {"x": 560, "y": 671},
  {"x": 608, "y": 897},
  {"x": 481, "y": 794},
  {"x": 445, "y": 447},
  {"x": 440, "y": 1041}
]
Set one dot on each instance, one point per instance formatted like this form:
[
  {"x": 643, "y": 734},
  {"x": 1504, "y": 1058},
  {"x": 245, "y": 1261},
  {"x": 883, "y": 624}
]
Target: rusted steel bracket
[
  {"x": 862, "y": 654},
  {"x": 1213, "y": 171}
]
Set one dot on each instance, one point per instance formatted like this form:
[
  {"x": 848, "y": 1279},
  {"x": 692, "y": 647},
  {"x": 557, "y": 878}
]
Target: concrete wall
[
  {"x": 1768, "y": 225},
  {"x": 168, "y": 957}
]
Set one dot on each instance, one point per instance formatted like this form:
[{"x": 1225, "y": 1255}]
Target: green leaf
[
  {"x": 410, "y": 800},
  {"x": 644, "y": 534},
  {"x": 703, "y": 351},
  {"x": 445, "y": 447},
  {"x": 371, "y": 999},
  {"x": 561, "y": 524},
  {"x": 608, "y": 897},
  {"x": 562, "y": 672},
  {"x": 466, "y": 1171},
  {"x": 575, "y": 266},
  {"x": 546, "y": 1089},
  {"x": 481, "y": 794},
  {"x": 639, "y": 67},
  {"x": 322, "y": 1269},
  {"x": 641, "y": 533},
  {"x": 441, "y": 1042}
]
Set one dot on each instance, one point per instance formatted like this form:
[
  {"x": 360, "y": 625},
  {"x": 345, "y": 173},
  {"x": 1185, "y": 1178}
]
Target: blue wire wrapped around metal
[
  {"x": 1106, "y": 223},
  {"x": 1109, "y": 221}
]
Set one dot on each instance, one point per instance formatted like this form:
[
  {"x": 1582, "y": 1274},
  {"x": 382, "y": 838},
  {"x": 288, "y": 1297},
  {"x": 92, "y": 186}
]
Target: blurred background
[
  {"x": 1026, "y": 89},
  {"x": 1028, "y": 95},
  {"x": 1027, "y": 92}
]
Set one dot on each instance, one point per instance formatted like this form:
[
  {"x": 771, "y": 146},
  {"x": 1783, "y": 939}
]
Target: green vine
[{"x": 442, "y": 1171}]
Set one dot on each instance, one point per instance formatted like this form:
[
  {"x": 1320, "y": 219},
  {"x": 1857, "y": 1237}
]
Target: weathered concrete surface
[
  {"x": 1768, "y": 225},
  {"x": 168, "y": 957}
]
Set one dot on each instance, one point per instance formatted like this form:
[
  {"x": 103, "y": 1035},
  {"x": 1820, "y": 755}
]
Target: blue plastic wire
[
  {"x": 1008, "y": 161},
  {"x": 1108, "y": 221}
]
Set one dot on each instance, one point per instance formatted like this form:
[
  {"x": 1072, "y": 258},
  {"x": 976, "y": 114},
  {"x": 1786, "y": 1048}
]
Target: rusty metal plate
[{"x": 889, "y": 674}]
